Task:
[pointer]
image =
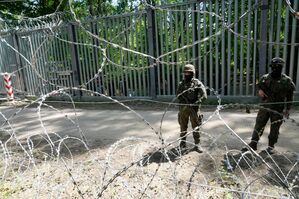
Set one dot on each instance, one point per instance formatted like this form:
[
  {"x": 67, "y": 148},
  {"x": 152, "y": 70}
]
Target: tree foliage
[
  {"x": 30, "y": 8},
  {"x": 16, "y": 9}
]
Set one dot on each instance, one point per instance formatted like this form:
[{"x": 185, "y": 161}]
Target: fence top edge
[
  {"x": 90, "y": 20},
  {"x": 22, "y": 32},
  {"x": 112, "y": 16},
  {"x": 39, "y": 29},
  {"x": 141, "y": 11},
  {"x": 6, "y": 33},
  {"x": 84, "y": 21},
  {"x": 181, "y": 4}
]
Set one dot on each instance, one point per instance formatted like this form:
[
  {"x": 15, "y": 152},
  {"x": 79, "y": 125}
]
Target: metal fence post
[
  {"x": 263, "y": 35},
  {"x": 151, "y": 45},
  {"x": 22, "y": 82},
  {"x": 75, "y": 60}
]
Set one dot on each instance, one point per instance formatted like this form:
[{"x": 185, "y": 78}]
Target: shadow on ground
[
  {"x": 41, "y": 146},
  {"x": 278, "y": 169},
  {"x": 163, "y": 156}
]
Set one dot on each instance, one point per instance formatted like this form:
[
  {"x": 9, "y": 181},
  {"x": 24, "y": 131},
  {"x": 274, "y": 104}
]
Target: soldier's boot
[
  {"x": 196, "y": 148},
  {"x": 252, "y": 145},
  {"x": 196, "y": 137},
  {"x": 183, "y": 141},
  {"x": 196, "y": 144},
  {"x": 270, "y": 148}
]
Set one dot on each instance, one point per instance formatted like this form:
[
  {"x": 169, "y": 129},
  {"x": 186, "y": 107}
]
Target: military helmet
[
  {"x": 277, "y": 61},
  {"x": 189, "y": 68}
]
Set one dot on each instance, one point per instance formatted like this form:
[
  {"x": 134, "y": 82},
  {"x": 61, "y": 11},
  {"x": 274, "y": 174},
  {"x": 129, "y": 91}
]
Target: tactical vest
[
  {"x": 276, "y": 89},
  {"x": 190, "y": 92}
]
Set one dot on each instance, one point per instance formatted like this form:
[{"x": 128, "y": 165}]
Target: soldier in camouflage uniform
[
  {"x": 276, "y": 91},
  {"x": 190, "y": 93}
]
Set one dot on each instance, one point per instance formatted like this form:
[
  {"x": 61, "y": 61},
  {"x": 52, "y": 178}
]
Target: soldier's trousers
[
  {"x": 193, "y": 113},
  {"x": 262, "y": 118}
]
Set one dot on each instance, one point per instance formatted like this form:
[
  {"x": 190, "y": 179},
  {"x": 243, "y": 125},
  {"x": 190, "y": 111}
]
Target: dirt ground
[{"x": 133, "y": 152}]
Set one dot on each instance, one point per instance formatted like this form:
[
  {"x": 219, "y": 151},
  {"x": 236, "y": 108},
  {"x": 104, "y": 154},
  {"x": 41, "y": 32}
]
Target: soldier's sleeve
[
  {"x": 290, "y": 94},
  {"x": 261, "y": 84},
  {"x": 202, "y": 94},
  {"x": 179, "y": 91}
]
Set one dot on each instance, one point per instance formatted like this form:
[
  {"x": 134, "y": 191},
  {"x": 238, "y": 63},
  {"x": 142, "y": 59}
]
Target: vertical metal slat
[
  {"x": 235, "y": 49},
  {"x": 193, "y": 34},
  {"x": 177, "y": 46},
  {"x": 113, "y": 32},
  {"x": 130, "y": 33},
  {"x": 125, "y": 39},
  {"x": 229, "y": 43},
  {"x": 102, "y": 79},
  {"x": 255, "y": 32},
  {"x": 89, "y": 57},
  {"x": 162, "y": 78},
  {"x": 84, "y": 60},
  {"x": 157, "y": 19},
  {"x": 106, "y": 68},
  {"x": 140, "y": 57},
  {"x": 143, "y": 50},
  {"x": 205, "y": 44},
  {"x": 248, "y": 72},
  {"x": 272, "y": 12},
  {"x": 199, "y": 43},
  {"x": 293, "y": 38},
  {"x": 241, "y": 52},
  {"x": 34, "y": 68},
  {"x": 278, "y": 29},
  {"x": 30, "y": 67},
  {"x": 211, "y": 66},
  {"x": 182, "y": 35},
  {"x": 118, "y": 54},
  {"x": 187, "y": 33},
  {"x": 285, "y": 39},
  {"x": 167, "y": 81},
  {"x": 138, "y": 48},
  {"x": 172, "y": 54},
  {"x": 217, "y": 77},
  {"x": 41, "y": 45},
  {"x": 93, "y": 57}
]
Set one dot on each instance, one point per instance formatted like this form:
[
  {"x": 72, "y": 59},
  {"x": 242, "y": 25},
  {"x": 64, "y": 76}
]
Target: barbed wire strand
[{"x": 162, "y": 149}]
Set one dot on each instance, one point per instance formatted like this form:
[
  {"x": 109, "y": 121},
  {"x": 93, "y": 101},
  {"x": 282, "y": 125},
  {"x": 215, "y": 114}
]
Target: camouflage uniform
[
  {"x": 191, "y": 94},
  {"x": 278, "y": 90}
]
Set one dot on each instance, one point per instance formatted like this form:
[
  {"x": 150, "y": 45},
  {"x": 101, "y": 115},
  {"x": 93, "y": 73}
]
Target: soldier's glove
[
  {"x": 286, "y": 114},
  {"x": 200, "y": 117},
  {"x": 263, "y": 95}
]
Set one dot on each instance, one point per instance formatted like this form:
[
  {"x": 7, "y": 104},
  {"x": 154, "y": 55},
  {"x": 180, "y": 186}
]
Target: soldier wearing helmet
[
  {"x": 276, "y": 92},
  {"x": 190, "y": 93}
]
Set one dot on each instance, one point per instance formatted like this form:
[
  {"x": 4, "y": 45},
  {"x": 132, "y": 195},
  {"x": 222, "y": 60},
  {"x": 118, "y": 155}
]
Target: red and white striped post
[{"x": 8, "y": 86}]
